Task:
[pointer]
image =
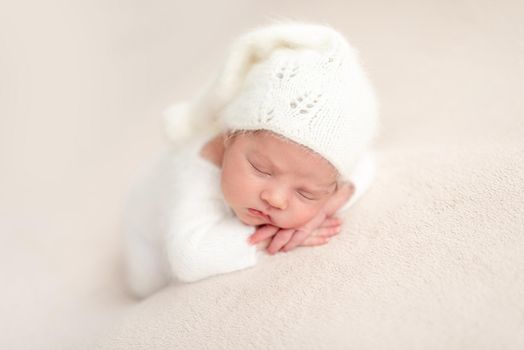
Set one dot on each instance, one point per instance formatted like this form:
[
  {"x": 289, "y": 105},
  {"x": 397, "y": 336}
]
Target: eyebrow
[{"x": 320, "y": 189}]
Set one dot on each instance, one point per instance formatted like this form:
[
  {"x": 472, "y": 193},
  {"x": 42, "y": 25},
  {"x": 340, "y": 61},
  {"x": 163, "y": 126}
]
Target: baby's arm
[
  {"x": 204, "y": 237},
  {"x": 209, "y": 248}
]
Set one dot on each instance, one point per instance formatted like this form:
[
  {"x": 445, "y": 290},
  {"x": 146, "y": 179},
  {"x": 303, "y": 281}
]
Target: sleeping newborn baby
[{"x": 261, "y": 161}]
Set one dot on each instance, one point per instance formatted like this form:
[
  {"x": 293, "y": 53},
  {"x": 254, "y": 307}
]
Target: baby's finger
[
  {"x": 280, "y": 239},
  {"x": 332, "y": 221},
  {"x": 314, "y": 223},
  {"x": 262, "y": 233},
  {"x": 327, "y": 231},
  {"x": 315, "y": 240},
  {"x": 298, "y": 237}
]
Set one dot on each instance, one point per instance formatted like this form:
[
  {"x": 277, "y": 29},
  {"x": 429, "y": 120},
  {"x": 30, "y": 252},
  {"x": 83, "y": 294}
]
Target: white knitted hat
[{"x": 302, "y": 81}]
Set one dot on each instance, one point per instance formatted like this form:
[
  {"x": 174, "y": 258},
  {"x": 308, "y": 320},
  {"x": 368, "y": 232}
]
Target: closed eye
[
  {"x": 258, "y": 170},
  {"x": 306, "y": 195}
]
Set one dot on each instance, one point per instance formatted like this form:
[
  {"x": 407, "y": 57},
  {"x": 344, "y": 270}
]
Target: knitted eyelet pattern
[{"x": 319, "y": 98}]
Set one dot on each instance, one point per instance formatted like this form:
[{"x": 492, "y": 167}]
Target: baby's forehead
[{"x": 275, "y": 143}]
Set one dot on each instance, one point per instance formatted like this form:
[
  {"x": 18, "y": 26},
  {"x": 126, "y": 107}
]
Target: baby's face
[{"x": 266, "y": 180}]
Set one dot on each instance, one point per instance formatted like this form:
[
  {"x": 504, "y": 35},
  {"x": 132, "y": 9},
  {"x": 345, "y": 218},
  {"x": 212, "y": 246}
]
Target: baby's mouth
[{"x": 259, "y": 213}]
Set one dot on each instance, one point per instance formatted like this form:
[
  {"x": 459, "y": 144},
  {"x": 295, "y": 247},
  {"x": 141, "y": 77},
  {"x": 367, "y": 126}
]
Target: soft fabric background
[{"x": 432, "y": 257}]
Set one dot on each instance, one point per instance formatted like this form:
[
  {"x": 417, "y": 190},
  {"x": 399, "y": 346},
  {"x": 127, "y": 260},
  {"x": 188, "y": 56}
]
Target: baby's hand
[
  {"x": 316, "y": 232},
  {"x": 262, "y": 236}
]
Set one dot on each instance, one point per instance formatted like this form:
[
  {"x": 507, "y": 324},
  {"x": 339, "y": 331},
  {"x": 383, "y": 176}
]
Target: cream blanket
[{"x": 432, "y": 257}]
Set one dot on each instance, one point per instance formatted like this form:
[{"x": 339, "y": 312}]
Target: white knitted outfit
[{"x": 179, "y": 227}]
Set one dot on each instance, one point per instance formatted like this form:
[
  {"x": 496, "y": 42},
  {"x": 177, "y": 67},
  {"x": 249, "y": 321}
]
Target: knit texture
[
  {"x": 308, "y": 87},
  {"x": 302, "y": 81}
]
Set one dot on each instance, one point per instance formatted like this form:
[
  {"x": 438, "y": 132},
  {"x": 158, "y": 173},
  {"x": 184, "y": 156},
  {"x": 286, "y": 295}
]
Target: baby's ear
[
  {"x": 348, "y": 186},
  {"x": 227, "y": 138}
]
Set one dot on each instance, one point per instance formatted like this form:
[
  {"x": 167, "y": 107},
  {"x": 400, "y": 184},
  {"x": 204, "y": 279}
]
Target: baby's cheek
[
  {"x": 228, "y": 189},
  {"x": 234, "y": 188},
  {"x": 304, "y": 215}
]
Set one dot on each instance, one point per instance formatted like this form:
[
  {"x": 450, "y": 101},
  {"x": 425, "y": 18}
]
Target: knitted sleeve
[
  {"x": 204, "y": 238},
  {"x": 212, "y": 248}
]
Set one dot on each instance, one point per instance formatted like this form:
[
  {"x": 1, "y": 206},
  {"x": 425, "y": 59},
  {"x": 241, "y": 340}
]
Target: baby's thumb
[{"x": 262, "y": 233}]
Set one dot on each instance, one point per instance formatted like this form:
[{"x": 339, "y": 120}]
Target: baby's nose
[{"x": 275, "y": 199}]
